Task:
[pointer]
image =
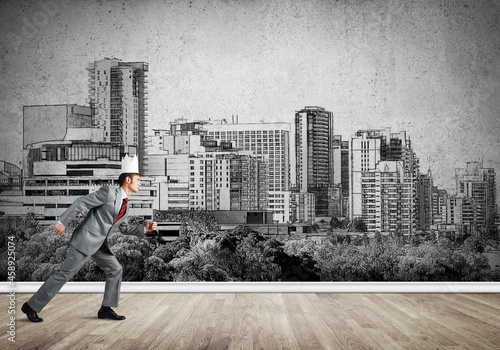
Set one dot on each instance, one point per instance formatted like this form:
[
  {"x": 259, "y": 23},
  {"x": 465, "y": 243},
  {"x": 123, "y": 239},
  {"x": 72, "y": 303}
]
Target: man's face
[{"x": 134, "y": 183}]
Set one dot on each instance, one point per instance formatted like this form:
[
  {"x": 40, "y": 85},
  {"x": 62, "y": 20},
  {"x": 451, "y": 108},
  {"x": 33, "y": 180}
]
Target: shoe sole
[{"x": 114, "y": 319}]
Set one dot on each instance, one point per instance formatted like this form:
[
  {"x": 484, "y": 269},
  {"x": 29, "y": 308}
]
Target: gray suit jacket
[{"x": 103, "y": 206}]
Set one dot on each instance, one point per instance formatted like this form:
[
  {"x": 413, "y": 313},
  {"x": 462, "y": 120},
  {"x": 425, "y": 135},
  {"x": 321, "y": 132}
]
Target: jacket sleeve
[
  {"x": 127, "y": 229},
  {"x": 87, "y": 202}
]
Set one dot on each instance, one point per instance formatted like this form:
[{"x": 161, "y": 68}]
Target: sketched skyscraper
[
  {"x": 268, "y": 142},
  {"x": 118, "y": 97},
  {"x": 478, "y": 184},
  {"x": 383, "y": 174},
  {"x": 314, "y": 154}
]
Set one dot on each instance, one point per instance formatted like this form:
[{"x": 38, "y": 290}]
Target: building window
[
  {"x": 56, "y": 192},
  {"x": 78, "y": 192},
  {"x": 35, "y": 193}
]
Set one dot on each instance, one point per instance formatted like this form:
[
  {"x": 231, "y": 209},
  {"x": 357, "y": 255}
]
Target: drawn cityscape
[{"x": 283, "y": 176}]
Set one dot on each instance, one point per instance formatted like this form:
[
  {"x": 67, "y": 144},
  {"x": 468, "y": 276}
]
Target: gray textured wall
[{"x": 431, "y": 68}]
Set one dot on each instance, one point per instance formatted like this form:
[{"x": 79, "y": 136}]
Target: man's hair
[{"x": 124, "y": 176}]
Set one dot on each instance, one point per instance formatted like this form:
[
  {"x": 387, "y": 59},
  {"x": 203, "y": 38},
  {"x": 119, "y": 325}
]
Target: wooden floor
[{"x": 262, "y": 321}]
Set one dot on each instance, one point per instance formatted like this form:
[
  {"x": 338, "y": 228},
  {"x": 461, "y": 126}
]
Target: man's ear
[{"x": 128, "y": 179}]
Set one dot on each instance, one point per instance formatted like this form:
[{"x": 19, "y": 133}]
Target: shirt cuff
[{"x": 60, "y": 223}]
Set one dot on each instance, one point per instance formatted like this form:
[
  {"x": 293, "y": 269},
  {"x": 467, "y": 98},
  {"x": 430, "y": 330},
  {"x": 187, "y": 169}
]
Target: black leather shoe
[
  {"x": 32, "y": 315},
  {"x": 107, "y": 312}
]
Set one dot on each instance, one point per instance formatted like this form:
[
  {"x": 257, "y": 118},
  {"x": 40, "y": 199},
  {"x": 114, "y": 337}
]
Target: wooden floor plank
[
  {"x": 264, "y": 321},
  {"x": 222, "y": 336},
  {"x": 421, "y": 320},
  {"x": 182, "y": 332},
  {"x": 161, "y": 317},
  {"x": 180, "y": 314},
  {"x": 404, "y": 328},
  {"x": 332, "y": 332},
  {"x": 302, "y": 330},
  {"x": 352, "y": 328},
  {"x": 208, "y": 317},
  {"x": 490, "y": 300},
  {"x": 476, "y": 309},
  {"x": 263, "y": 337},
  {"x": 391, "y": 322},
  {"x": 452, "y": 322}
]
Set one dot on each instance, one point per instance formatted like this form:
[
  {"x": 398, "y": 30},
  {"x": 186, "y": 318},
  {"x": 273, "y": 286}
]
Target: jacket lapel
[{"x": 118, "y": 203}]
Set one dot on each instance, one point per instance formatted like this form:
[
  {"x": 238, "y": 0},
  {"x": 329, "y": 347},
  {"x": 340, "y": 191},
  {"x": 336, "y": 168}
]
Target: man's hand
[
  {"x": 151, "y": 226},
  {"x": 59, "y": 229}
]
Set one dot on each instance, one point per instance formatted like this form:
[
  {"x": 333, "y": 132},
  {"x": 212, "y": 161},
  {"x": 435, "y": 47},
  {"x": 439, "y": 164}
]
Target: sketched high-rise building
[
  {"x": 214, "y": 181},
  {"x": 118, "y": 98},
  {"x": 314, "y": 155},
  {"x": 384, "y": 170},
  {"x": 269, "y": 143},
  {"x": 461, "y": 215},
  {"x": 65, "y": 157},
  {"x": 387, "y": 198},
  {"x": 424, "y": 208},
  {"x": 479, "y": 184},
  {"x": 341, "y": 173},
  {"x": 438, "y": 205},
  {"x": 10, "y": 177}
]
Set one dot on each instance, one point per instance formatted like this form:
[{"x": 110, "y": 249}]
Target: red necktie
[{"x": 123, "y": 209}]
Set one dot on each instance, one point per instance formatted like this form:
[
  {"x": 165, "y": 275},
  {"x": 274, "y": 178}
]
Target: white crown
[{"x": 130, "y": 165}]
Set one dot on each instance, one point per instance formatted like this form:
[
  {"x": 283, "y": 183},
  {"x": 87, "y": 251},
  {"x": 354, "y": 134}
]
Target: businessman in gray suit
[{"x": 107, "y": 210}]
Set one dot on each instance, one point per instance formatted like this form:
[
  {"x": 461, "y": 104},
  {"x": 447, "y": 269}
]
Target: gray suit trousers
[{"x": 74, "y": 262}]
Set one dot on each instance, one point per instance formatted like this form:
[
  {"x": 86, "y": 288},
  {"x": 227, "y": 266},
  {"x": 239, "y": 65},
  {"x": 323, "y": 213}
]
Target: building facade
[
  {"x": 365, "y": 154},
  {"x": 423, "y": 209},
  {"x": 214, "y": 181},
  {"x": 65, "y": 156},
  {"x": 341, "y": 164},
  {"x": 118, "y": 98},
  {"x": 267, "y": 141},
  {"x": 314, "y": 155},
  {"x": 383, "y": 189},
  {"x": 479, "y": 185},
  {"x": 388, "y": 198},
  {"x": 10, "y": 177},
  {"x": 302, "y": 207},
  {"x": 439, "y": 198},
  {"x": 270, "y": 143}
]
